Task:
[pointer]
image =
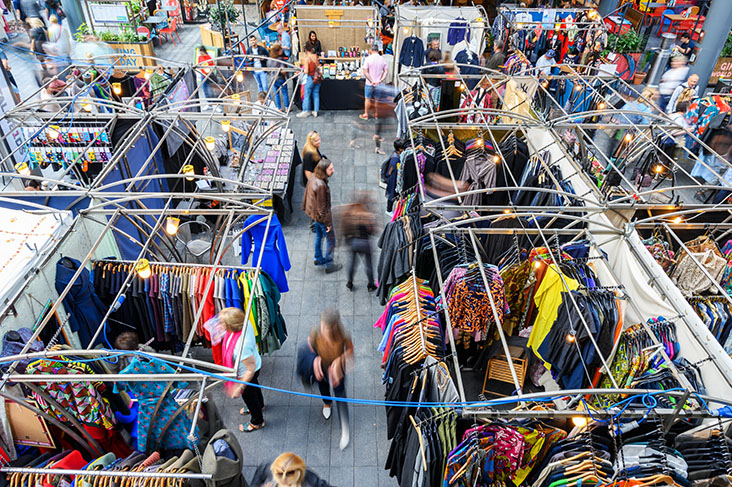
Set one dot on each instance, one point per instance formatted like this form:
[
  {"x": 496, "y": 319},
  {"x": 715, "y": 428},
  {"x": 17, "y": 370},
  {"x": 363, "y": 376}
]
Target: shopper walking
[
  {"x": 686, "y": 91},
  {"x": 311, "y": 70},
  {"x": 390, "y": 175},
  {"x": 317, "y": 206},
  {"x": 241, "y": 335},
  {"x": 375, "y": 70},
  {"x": 358, "y": 226},
  {"x": 671, "y": 79},
  {"x": 257, "y": 63},
  {"x": 310, "y": 155},
  {"x": 325, "y": 359},
  {"x": 276, "y": 59}
]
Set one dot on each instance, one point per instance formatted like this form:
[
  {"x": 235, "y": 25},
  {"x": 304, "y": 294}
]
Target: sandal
[
  {"x": 244, "y": 410},
  {"x": 250, "y": 427},
  {"x": 363, "y": 117}
]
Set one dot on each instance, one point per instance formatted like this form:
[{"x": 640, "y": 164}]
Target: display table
[{"x": 338, "y": 94}]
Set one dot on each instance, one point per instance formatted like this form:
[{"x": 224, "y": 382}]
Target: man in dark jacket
[
  {"x": 316, "y": 205},
  {"x": 391, "y": 175},
  {"x": 255, "y": 49},
  {"x": 498, "y": 58}
]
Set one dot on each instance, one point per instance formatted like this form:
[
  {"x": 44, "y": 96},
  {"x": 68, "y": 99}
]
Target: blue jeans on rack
[
  {"x": 280, "y": 84},
  {"x": 311, "y": 89},
  {"x": 262, "y": 81},
  {"x": 320, "y": 234}
]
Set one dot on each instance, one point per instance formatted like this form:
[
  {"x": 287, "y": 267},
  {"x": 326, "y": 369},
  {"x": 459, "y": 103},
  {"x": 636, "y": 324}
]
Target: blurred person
[
  {"x": 54, "y": 7},
  {"x": 284, "y": 40},
  {"x": 257, "y": 63},
  {"x": 676, "y": 137},
  {"x": 49, "y": 95},
  {"x": 317, "y": 206},
  {"x": 204, "y": 59},
  {"x": 374, "y": 70},
  {"x": 240, "y": 334},
  {"x": 358, "y": 226},
  {"x": 433, "y": 68},
  {"x": 311, "y": 97},
  {"x": 325, "y": 359},
  {"x": 686, "y": 91},
  {"x": 545, "y": 62},
  {"x": 314, "y": 42},
  {"x": 391, "y": 175},
  {"x": 498, "y": 58},
  {"x": 384, "y": 110},
  {"x": 276, "y": 59},
  {"x": 646, "y": 103},
  {"x": 287, "y": 470},
  {"x": 671, "y": 79},
  {"x": 434, "y": 46}
]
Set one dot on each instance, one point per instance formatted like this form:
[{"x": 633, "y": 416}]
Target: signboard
[
  {"x": 130, "y": 55},
  {"x": 723, "y": 69},
  {"x": 14, "y": 138},
  {"x": 109, "y": 13}
]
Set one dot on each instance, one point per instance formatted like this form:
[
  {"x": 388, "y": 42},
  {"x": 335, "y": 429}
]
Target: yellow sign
[{"x": 333, "y": 17}]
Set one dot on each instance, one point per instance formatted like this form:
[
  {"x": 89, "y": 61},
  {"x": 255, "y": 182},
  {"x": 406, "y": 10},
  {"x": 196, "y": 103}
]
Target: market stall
[{"x": 346, "y": 35}]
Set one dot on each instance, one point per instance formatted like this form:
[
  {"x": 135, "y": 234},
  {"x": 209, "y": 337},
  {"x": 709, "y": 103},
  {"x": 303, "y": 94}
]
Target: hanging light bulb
[
  {"x": 537, "y": 263},
  {"x": 545, "y": 83},
  {"x": 148, "y": 74},
  {"x": 143, "y": 268},
  {"x": 86, "y": 105},
  {"x": 658, "y": 169},
  {"x": 570, "y": 337},
  {"x": 678, "y": 220},
  {"x": 236, "y": 98},
  {"x": 592, "y": 14},
  {"x": 189, "y": 172},
  {"x": 578, "y": 87},
  {"x": 210, "y": 143},
  {"x": 117, "y": 88},
  {"x": 171, "y": 225},
  {"x": 406, "y": 30},
  {"x": 628, "y": 137},
  {"x": 579, "y": 421},
  {"x": 601, "y": 105},
  {"x": 239, "y": 76},
  {"x": 225, "y": 125},
  {"x": 507, "y": 211},
  {"x": 23, "y": 168},
  {"x": 52, "y": 132},
  {"x": 479, "y": 141},
  {"x": 496, "y": 159}
]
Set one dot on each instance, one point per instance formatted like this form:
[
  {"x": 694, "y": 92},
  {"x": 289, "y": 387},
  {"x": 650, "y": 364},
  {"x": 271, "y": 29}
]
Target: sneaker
[
  {"x": 319, "y": 262},
  {"x": 333, "y": 268},
  {"x": 327, "y": 411},
  {"x": 302, "y": 114},
  {"x": 349, "y": 286},
  {"x": 371, "y": 287},
  {"x": 315, "y": 114}
]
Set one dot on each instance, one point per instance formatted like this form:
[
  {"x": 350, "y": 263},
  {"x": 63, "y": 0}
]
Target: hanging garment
[
  {"x": 412, "y": 52},
  {"x": 275, "y": 260},
  {"x": 85, "y": 309},
  {"x": 691, "y": 279},
  {"x": 480, "y": 172},
  {"x": 458, "y": 31},
  {"x": 478, "y": 98},
  {"x": 148, "y": 395}
]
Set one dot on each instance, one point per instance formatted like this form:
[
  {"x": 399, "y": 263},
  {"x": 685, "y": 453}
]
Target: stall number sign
[
  {"x": 333, "y": 17},
  {"x": 129, "y": 55}
]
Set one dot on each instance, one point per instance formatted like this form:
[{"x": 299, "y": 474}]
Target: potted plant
[
  {"x": 219, "y": 14},
  {"x": 129, "y": 46},
  {"x": 630, "y": 44}
]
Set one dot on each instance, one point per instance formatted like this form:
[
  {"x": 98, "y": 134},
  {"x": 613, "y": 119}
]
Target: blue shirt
[{"x": 286, "y": 43}]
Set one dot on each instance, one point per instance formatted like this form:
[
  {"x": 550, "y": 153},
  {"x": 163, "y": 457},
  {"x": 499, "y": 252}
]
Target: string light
[
  {"x": 601, "y": 105},
  {"x": 148, "y": 74},
  {"x": 86, "y": 105},
  {"x": 659, "y": 168},
  {"x": 496, "y": 159},
  {"x": 225, "y": 125},
  {"x": 479, "y": 141},
  {"x": 189, "y": 172},
  {"x": 239, "y": 76},
  {"x": 570, "y": 337},
  {"x": 537, "y": 264},
  {"x": 23, "y": 169},
  {"x": 53, "y": 132},
  {"x": 507, "y": 211},
  {"x": 545, "y": 84},
  {"x": 143, "y": 268},
  {"x": 210, "y": 143},
  {"x": 592, "y": 14},
  {"x": 117, "y": 88},
  {"x": 628, "y": 137},
  {"x": 678, "y": 220},
  {"x": 579, "y": 421},
  {"x": 578, "y": 87},
  {"x": 171, "y": 225},
  {"x": 236, "y": 98}
]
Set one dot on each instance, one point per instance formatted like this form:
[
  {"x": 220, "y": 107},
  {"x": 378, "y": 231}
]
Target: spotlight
[
  {"x": 496, "y": 159},
  {"x": 117, "y": 88},
  {"x": 189, "y": 172},
  {"x": 678, "y": 220},
  {"x": 628, "y": 137},
  {"x": 143, "y": 268},
  {"x": 658, "y": 169},
  {"x": 86, "y": 105},
  {"x": 537, "y": 264},
  {"x": 601, "y": 105},
  {"x": 236, "y": 98},
  {"x": 171, "y": 225},
  {"x": 579, "y": 421},
  {"x": 225, "y": 125},
  {"x": 210, "y": 143},
  {"x": 570, "y": 337},
  {"x": 52, "y": 132},
  {"x": 239, "y": 76},
  {"x": 148, "y": 74}
]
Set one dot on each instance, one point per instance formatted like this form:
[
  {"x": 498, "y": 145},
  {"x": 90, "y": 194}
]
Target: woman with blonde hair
[
  {"x": 311, "y": 155},
  {"x": 288, "y": 470},
  {"x": 240, "y": 336}
]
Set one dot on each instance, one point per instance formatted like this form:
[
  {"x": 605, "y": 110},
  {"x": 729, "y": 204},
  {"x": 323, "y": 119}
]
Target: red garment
[
  {"x": 204, "y": 58},
  {"x": 72, "y": 461}
]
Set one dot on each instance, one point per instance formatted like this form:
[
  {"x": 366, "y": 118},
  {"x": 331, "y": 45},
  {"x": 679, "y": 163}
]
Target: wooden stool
[{"x": 498, "y": 368}]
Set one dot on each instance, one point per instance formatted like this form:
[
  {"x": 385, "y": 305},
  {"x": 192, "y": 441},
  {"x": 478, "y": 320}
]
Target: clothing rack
[
  {"x": 425, "y": 367},
  {"x": 175, "y": 264},
  {"x": 107, "y": 473}
]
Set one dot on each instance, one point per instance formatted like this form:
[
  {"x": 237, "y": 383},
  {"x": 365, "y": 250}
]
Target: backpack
[{"x": 384, "y": 172}]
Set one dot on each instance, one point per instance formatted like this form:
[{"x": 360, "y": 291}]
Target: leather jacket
[{"x": 316, "y": 203}]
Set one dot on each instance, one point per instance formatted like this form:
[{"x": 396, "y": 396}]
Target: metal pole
[
  {"x": 660, "y": 62},
  {"x": 716, "y": 27}
]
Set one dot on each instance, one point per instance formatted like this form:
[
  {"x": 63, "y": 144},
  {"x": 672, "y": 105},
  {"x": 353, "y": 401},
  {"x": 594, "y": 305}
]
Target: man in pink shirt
[{"x": 374, "y": 69}]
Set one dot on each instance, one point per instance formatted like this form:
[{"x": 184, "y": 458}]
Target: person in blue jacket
[{"x": 275, "y": 261}]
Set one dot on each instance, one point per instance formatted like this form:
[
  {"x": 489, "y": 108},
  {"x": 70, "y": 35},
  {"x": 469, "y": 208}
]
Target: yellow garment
[
  {"x": 547, "y": 300},
  {"x": 245, "y": 287}
]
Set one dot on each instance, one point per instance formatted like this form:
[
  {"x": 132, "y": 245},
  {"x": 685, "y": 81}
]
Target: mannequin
[{"x": 288, "y": 470}]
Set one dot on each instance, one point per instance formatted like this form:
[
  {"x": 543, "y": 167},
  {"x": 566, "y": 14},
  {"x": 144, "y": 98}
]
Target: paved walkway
[{"x": 295, "y": 423}]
